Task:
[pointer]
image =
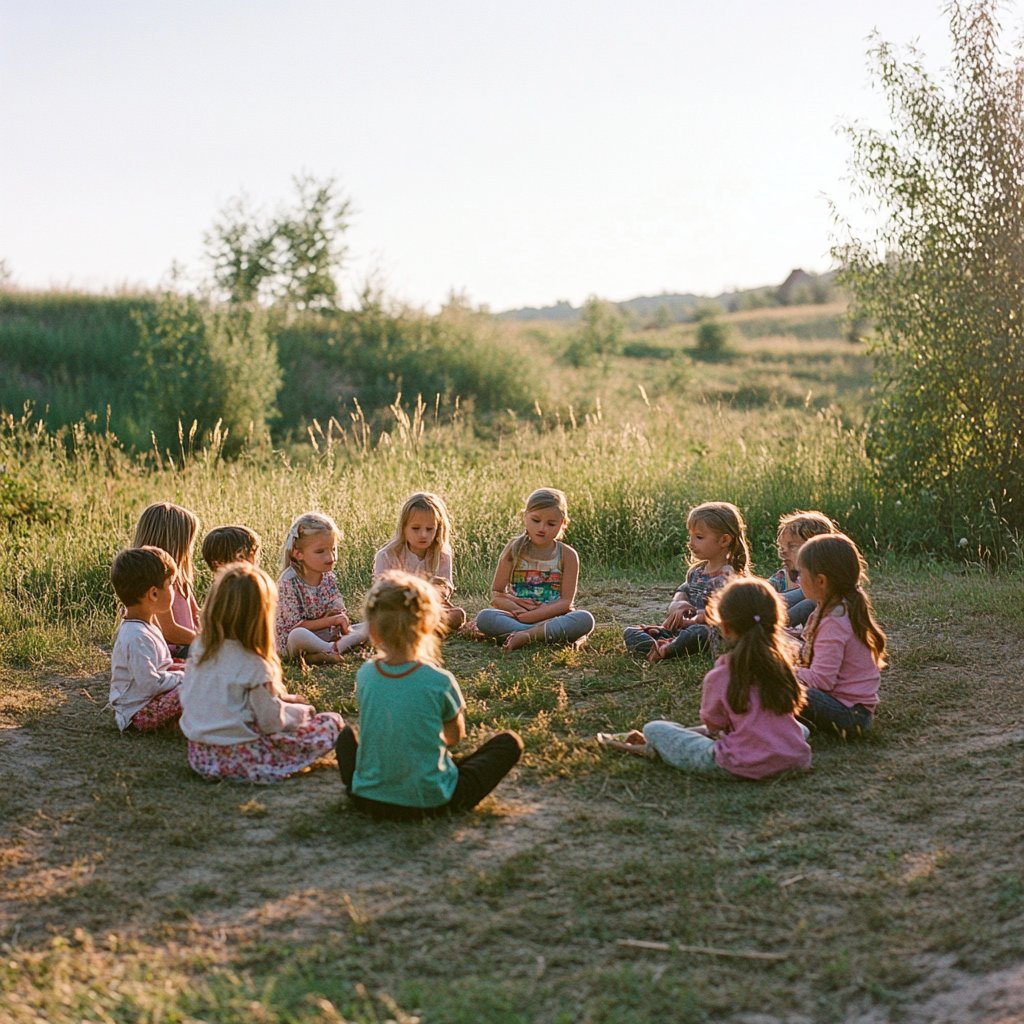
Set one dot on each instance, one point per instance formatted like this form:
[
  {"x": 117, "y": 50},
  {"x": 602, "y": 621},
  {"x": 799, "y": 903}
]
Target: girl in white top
[
  {"x": 240, "y": 721},
  {"x": 311, "y": 616},
  {"x": 421, "y": 544}
]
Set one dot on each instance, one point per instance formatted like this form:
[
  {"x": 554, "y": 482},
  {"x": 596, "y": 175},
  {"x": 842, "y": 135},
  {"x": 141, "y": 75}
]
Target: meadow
[{"x": 886, "y": 880}]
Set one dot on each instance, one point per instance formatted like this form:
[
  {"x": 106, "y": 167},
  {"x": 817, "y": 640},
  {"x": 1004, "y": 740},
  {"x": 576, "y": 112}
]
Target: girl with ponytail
[
  {"x": 750, "y": 698},
  {"x": 844, "y": 647}
]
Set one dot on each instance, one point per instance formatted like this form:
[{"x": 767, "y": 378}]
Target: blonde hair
[
  {"x": 306, "y": 525},
  {"x": 241, "y": 606},
  {"x": 806, "y": 525},
  {"x": 543, "y": 497},
  {"x": 404, "y": 611},
  {"x": 172, "y": 529},
  {"x": 424, "y": 501},
  {"x": 723, "y": 518}
]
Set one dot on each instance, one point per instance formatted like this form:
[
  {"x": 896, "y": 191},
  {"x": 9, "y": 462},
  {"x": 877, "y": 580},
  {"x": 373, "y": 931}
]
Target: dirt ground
[{"x": 889, "y": 877}]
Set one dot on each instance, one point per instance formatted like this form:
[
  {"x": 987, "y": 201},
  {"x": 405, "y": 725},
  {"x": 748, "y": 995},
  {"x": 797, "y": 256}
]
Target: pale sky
[{"x": 519, "y": 152}]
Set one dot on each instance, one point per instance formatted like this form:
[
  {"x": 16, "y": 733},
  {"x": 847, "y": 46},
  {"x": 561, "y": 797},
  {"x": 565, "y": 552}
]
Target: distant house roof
[{"x": 796, "y": 278}]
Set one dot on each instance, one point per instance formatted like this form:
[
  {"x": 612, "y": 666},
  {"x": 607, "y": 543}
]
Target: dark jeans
[
  {"x": 479, "y": 773},
  {"x": 800, "y": 607},
  {"x": 692, "y": 640},
  {"x": 824, "y": 712}
]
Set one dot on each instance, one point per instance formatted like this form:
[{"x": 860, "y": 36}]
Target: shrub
[
  {"x": 712, "y": 341},
  {"x": 601, "y": 327},
  {"x": 941, "y": 278},
  {"x": 647, "y": 350}
]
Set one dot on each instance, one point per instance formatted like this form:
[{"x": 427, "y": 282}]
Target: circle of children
[{"x": 802, "y": 649}]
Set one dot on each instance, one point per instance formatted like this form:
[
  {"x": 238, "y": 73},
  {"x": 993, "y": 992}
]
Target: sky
[{"x": 517, "y": 153}]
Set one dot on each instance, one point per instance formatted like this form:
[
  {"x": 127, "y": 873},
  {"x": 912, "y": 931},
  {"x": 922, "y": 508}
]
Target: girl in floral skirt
[{"x": 240, "y": 721}]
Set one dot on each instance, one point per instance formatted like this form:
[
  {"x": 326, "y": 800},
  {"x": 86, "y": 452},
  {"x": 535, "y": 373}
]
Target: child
[
  {"x": 421, "y": 545},
  {"x": 794, "y": 531},
  {"x": 240, "y": 722},
  {"x": 535, "y": 583},
  {"x": 410, "y": 713},
  {"x": 174, "y": 529},
  {"x": 144, "y": 681},
  {"x": 227, "y": 544},
  {"x": 749, "y": 700},
  {"x": 311, "y": 616},
  {"x": 844, "y": 648},
  {"x": 718, "y": 549}
]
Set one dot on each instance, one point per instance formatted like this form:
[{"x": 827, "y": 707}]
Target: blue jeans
[
  {"x": 824, "y": 712},
  {"x": 800, "y": 607},
  {"x": 562, "y": 629},
  {"x": 691, "y": 640}
]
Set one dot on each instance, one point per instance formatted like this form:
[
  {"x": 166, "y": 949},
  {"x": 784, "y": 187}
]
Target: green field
[{"x": 134, "y": 892}]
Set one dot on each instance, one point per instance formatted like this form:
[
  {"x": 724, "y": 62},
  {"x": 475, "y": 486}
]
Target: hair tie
[
  {"x": 410, "y": 597},
  {"x": 757, "y": 618}
]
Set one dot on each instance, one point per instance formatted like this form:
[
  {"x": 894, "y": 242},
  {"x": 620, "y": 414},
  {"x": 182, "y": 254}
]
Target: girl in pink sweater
[
  {"x": 844, "y": 648},
  {"x": 750, "y": 697}
]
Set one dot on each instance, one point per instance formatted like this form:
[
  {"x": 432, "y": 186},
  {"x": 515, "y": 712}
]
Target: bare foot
[
  {"x": 456, "y": 618},
  {"x": 322, "y": 659},
  {"x": 658, "y": 651},
  {"x": 518, "y": 639},
  {"x": 627, "y": 747}
]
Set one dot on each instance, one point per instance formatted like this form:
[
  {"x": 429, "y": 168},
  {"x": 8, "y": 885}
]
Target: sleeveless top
[{"x": 539, "y": 579}]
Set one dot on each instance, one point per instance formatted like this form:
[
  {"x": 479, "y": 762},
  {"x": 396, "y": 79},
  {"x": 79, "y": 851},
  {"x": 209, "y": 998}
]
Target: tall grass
[{"x": 630, "y": 483}]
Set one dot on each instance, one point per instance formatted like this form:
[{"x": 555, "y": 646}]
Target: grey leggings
[{"x": 562, "y": 629}]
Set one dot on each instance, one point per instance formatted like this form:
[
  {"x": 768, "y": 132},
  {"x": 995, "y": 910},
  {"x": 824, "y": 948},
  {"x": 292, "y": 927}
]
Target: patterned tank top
[{"x": 539, "y": 579}]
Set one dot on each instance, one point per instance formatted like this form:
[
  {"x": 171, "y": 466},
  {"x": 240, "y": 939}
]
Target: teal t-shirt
[{"x": 402, "y": 757}]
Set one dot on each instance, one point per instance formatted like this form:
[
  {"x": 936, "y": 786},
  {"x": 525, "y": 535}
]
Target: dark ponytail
[
  {"x": 762, "y": 653},
  {"x": 838, "y": 559}
]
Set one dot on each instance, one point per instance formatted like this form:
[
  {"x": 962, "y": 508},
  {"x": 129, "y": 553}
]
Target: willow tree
[{"x": 941, "y": 275}]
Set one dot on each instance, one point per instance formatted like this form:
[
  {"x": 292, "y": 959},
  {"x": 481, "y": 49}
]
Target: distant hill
[{"x": 800, "y": 287}]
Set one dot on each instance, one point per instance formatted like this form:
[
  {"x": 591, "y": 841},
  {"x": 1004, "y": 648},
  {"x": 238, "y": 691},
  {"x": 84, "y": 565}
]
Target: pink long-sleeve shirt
[
  {"x": 842, "y": 664},
  {"x": 757, "y": 743}
]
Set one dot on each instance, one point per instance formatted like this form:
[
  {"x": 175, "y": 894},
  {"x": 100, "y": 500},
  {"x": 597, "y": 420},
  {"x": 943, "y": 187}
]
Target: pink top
[
  {"x": 185, "y": 610},
  {"x": 842, "y": 665},
  {"x": 757, "y": 743}
]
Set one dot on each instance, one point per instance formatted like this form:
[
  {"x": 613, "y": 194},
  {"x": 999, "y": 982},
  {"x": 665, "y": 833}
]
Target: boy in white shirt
[{"x": 144, "y": 679}]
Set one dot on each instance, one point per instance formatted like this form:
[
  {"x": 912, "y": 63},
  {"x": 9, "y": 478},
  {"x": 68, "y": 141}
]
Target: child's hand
[
  {"x": 658, "y": 651},
  {"x": 292, "y": 698},
  {"x": 340, "y": 622},
  {"x": 680, "y": 617}
]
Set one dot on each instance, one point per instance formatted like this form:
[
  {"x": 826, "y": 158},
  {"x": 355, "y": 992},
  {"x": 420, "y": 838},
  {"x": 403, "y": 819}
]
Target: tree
[
  {"x": 942, "y": 277},
  {"x": 292, "y": 257}
]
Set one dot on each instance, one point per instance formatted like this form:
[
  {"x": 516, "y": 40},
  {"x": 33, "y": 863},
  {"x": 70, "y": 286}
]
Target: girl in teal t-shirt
[{"x": 411, "y": 711}]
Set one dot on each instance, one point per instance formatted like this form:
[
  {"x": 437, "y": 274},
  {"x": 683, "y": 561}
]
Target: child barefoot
[
  {"x": 421, "y": 545},
  {"x": 144, "y": 681},
  {"x": 174, "y": 529},
  {"x": 227, "y": 544},
  {"x": 410, "y": 713},
  {"x": 844, "y": 648},
  {"x": 240, "y": 722},
  {"x": 794, "y": 531},
  {"x": 749, "y": 701},
  {"x": 718, "y": 549},
  {"x": 311, "y": 616},
  {"x": 535, "y": 583}
]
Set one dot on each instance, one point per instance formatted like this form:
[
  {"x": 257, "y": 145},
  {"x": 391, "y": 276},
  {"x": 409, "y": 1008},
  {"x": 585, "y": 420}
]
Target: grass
[
  {"x": 136, "y": 892},
  {"x": 132, "y": 891}
]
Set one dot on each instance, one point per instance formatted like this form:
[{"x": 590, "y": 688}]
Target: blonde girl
[
  {"x": 844, "y": 647},
  {"x": 749, "y": 701},
  {"x": 410, "y": 712},
  {"x": 240, "y": 721},
  {"x": 311, "y": 616},
  {"x": 421, "y": 544},
  {"x": 718, "y": 552},
  {"x": 535, "y": 583},
  {"x": 173, "y": 529}
]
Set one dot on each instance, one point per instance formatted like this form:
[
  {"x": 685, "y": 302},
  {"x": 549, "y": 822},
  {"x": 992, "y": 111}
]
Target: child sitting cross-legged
[
  {"x": 844, "y": 648},
  {"x": 718, "y": 550},
  {"x": 750, "y": 698},
  {"x": 144, "y": 679},
  {"x": 795, "y": 530},
  {"x": 240, "y": 721},
  {"x": 410, "y": 712}
]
